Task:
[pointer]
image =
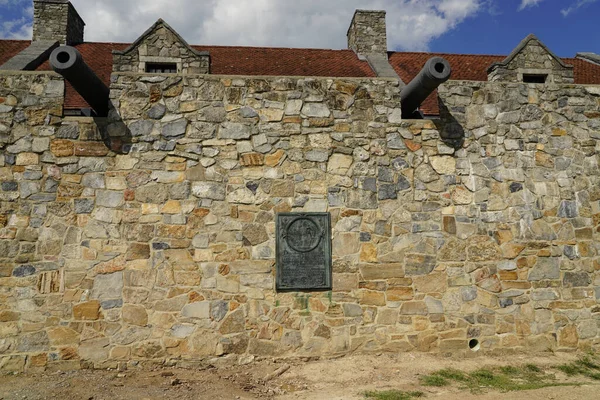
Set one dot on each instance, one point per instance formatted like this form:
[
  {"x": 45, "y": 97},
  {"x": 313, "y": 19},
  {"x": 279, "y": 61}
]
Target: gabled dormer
[
  {"x": 161, "y": 50},
  {"x": 531, "y": 62}
]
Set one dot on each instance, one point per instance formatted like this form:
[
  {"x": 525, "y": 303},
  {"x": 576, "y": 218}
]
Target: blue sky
[
  {"x": 453, "y": 26},
  {"x": 499, "y": 29}
]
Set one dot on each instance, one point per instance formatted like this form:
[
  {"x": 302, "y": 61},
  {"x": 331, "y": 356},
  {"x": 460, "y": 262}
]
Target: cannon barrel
[
  {"x": 435, "y": 72},
  {"x": 68, "y": 62}
]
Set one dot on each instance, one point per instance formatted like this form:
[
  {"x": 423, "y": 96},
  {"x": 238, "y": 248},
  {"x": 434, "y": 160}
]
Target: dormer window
[
  {"x": 161, "y": 68},
  {"x": 535, "y": 78}
]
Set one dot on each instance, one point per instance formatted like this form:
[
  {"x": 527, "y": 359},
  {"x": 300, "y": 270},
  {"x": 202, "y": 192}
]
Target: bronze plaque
[{"x": 303, "y": 251}]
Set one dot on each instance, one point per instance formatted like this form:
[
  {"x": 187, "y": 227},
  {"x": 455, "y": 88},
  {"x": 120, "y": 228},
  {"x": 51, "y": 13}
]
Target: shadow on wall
[
  {"x": 451, "y": 131},
  {"x": 114, "y": 132}
]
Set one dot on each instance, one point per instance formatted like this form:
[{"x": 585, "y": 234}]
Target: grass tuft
[
  {"x": 585, "y": 366},
  {"x": 392, "y": 395}
]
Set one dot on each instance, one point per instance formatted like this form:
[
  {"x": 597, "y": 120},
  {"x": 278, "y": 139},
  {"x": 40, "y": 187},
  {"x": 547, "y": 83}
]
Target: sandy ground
[{"x": 343, "y": 378}]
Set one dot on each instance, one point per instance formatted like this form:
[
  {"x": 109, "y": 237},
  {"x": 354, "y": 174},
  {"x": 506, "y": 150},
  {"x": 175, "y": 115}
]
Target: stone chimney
[
  {"x": 57, "y": 20},
  {"x": 367, "y": 33}
]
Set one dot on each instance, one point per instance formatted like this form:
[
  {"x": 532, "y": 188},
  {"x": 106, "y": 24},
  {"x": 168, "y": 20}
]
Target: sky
[{"x": 447, "y": 26}]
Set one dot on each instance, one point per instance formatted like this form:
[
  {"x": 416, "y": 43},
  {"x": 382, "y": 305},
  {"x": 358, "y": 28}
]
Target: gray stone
[
  {"x": 545, "y": 268},
  {"x": 68, "y": 132},
  {"x": 200, "y": 310},
  {"x": 419, "y": 264},
  {"x": 175, "y": 128},
  {"x": 209, "y": 190},
  {"x": 157, "y": 111},
  {"x": 218, "y": 310},
  {"x": 156, "y": 194},
  {"x": 317, "y": 155},
  {"x": 254, "y": 234},
  {"x": 362, "y": 199},
  {"x": 234, "y": 130},
  {"x": 141, "y": 128},
  {"x": 108, "y": 287},
  {"x": 248, "y": 112},
  {"x": 387, "y": 192},
  {"x": 567, "y": 209},
  {"x": 576, "y": 279},
  {"x": 111, "y": 304},
  {"x": 29, "y": 188},
  {"x": 182, "y": 331},
  {"x": 33, "y": 342},
  {"x": 84, "y": 206},
  {"x": 468, "y": 293},
  {"x": 23, "y": 271},
  {"x": 316, "y": 110},
  {"x": 109, "y": 199},
  {"x": 395, "y": 141}
]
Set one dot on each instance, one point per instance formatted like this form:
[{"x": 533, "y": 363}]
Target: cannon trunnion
[
  {"x": 68, "y": 62},
  {"x": 435, "y": 72}
]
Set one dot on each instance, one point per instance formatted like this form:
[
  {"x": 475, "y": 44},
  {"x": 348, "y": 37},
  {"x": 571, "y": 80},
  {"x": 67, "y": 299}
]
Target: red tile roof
[
  {"x": 300, "y": 62},
  {"x": 10, "y": 48}
]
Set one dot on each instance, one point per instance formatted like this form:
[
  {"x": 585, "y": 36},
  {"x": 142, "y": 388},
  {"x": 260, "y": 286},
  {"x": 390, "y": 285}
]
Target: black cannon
[
  {"x": 68, "y": 62},
  {"x": 435, "y": 72}
]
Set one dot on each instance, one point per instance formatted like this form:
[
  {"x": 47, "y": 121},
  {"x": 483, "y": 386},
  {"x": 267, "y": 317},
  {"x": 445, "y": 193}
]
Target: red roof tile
[
  {"x": 271, "y": 61},
  {"x": 10, "y": 48}
]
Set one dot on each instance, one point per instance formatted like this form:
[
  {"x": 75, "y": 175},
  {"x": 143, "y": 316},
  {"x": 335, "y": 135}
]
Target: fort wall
[{"x": 149, "y": 236}]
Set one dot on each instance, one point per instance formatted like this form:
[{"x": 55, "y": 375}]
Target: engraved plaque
[{"x": 303, "y": 251}]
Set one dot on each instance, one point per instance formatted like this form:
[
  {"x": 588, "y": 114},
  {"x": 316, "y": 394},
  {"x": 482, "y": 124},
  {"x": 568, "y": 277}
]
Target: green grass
[
  {"x": 585, "y": 366},
  {"x": 392, "y": 395},
  {"x": 506, "y": 378}
]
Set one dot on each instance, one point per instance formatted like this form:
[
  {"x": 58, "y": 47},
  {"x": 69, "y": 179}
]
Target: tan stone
[
  {"x": 368, "y": 253},
  {"x": 171, "y": 207},
  {"x": 62, "y": 336},
  {"x": 273, "y": 160},
  {"x": 461, "y": 195},
  {"x": 91, "y": 149},
  {"x": 568, "y": 337},
  {"x": 414, "y": 308},
  {"x": 381, "y": 271},
  {"x": 135, "y": 315},
  {"x": 433, "y": 283},
  {"x": 282, "y": 189},
  {"x": 62, "y": 148},
  {"x": 252, "y": 160},
  {"x": 399, "y": 294},
  {"x": 444, "y": 165},
  {"x": 339, "y": 164},
  {"x": 27, "y": 159},
  {"x": 89, "y": 311},
  {"x": 372, "y": 298}
]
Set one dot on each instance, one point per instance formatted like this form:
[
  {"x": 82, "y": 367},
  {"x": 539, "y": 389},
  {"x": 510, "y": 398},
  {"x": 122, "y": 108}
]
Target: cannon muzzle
[
  {"x": 68, "y": 62},
  {"x": 435, "y": 72}
]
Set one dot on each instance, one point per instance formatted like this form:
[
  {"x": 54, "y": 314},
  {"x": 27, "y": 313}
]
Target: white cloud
[
  {"x": 18, "y": 26},
  {"x": 528, "y": 3},
  {"x": 575, "y": 6},
  {"x": 412, "y": 24}
]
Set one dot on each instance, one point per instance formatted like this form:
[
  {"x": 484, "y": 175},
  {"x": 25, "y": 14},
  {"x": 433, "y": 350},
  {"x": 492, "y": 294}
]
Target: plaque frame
[{"x": 324, "y": 245}]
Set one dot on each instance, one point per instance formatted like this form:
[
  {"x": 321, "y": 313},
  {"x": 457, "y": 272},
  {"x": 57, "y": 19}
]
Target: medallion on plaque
[{"x": 303, "y": 243}]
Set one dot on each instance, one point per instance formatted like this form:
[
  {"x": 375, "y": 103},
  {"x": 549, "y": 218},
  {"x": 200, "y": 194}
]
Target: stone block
[{"x": 89, "y": 311}]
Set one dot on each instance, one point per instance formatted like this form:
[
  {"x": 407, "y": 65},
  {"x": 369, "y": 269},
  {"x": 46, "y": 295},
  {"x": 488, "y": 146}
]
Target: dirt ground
[{"x": 332, "y": 379}]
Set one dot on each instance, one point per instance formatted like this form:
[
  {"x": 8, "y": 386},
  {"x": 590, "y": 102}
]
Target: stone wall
[
  {"x": 57, "y": 20},
  {"x": 531, "y": 57},
  {"x": 368, "y": 32},
  {"x": 166, "y": 253},
  {"x": 159, "y": 45}
]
